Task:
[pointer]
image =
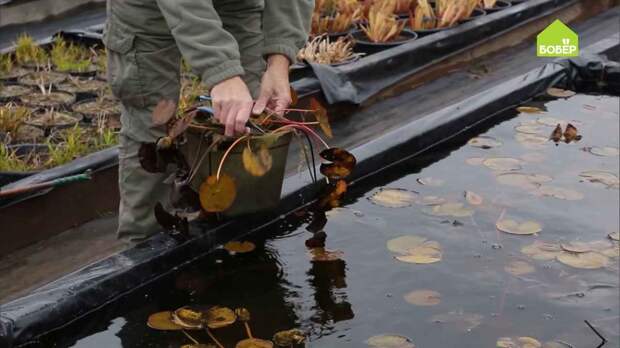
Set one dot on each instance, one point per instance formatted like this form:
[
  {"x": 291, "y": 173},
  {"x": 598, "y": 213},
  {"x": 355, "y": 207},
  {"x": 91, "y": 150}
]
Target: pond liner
[
  {"x": 82, "y": 293},
  {"x": 361, "y": 80}
]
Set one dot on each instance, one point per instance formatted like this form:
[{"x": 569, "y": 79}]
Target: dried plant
[
  {"x": 320, "y": 50},
  {"x": 12, "y": 117},
  {"x": 350, "y": 6},
  {"x": 339, "y": 23},
  {"x": 445, "y": 14},
  {"x": 487, "y": 3},
  {"x": 456, "y": 11},
  {"x": 423, "y": 17},
  {"x": 382, "y": 27}
]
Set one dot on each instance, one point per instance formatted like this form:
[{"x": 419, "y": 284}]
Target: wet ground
[{"x": 467, "y": 285}]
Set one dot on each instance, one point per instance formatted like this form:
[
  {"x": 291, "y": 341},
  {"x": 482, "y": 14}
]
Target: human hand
[
  {"x": 275, "y": 90},
  {"x": 232, "y": 105}
]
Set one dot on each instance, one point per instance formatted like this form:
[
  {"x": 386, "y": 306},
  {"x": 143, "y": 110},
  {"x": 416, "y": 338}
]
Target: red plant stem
[{"x": 219, "y": 168}]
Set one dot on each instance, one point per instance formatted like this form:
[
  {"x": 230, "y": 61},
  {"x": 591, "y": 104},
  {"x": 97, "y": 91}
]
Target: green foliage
[
  {"x": 106, "y": 138},
  {"x": 69, "y": 57},
  {"x": 12, "y": 117},
  {"x": 28, "y": 52},
  {"x": 101, "y": 60},
  {"x": 74, "y": 143},
  {"x": 6, "y": 63},
  {"x": 11, "y": 162}
]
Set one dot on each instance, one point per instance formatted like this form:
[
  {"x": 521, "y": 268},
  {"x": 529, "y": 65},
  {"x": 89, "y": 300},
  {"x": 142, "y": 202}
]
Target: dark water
[{"x": 343, "y": 303}]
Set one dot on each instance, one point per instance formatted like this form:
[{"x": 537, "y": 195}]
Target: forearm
[{"x": 286, "y": 24}]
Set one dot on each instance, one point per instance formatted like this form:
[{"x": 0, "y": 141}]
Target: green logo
[{"x": 557, "y": 40}]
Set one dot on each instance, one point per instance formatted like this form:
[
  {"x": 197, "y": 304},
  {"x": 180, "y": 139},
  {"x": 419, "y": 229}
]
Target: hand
[
  {"x": 275, "y": 91},
  {"x": 232, "y": 104}
]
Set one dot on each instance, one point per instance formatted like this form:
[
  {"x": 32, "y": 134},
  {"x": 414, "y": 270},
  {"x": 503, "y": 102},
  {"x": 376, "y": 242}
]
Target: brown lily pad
[
  {"x": 521, "y": 228},
  {"x": 239, "y": 247},
  {"x": 390, "y": 341},
  {"x": 393, "y": 198},
  {"x": 162, "y": 321},
  {"x": 423, "y": 297},
  {"x": 217, "y": 195}
]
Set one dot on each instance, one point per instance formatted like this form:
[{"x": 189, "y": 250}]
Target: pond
[{"x": 508, "y": 236}]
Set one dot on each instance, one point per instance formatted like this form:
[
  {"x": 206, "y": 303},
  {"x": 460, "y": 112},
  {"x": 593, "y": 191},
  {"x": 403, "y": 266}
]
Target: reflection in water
[{"x": 329, "y": 284}]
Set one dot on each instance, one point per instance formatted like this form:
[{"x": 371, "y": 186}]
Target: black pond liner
[
  {"x": 499, "y": 5},
  {"x": 359, "y": 81},
  {"x": 84, "y": 292},
  {"x": 363, "y": 45}
]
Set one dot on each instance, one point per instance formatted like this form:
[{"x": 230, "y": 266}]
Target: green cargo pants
[{"x": 144, "y": 68}]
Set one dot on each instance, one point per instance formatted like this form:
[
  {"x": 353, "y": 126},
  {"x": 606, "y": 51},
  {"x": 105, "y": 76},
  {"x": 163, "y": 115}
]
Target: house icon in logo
[{"x": 557, "y": 40}]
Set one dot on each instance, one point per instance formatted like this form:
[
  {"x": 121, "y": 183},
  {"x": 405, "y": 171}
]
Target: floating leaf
[
  {"x": 423, "y": 297},
  {"x": 576, "y": 247},
  {"x": 289, "y": 337},
  {"x": 450, "y": 209},
  {"x": 550, "y": 121},
  {"x": 342, "y": 164},
  {"x": 393, "y": 198},
  {"x": 587, "y": 260},
  {"x": 324, "y": 255},
  {"x": 431, "y": 200},
  {"x": 608, "y": 179},
  {"x": 163, "y": 112},
  {"x": 254, "y": 343},
  {"x": 502, "y": 164},
  {"x": 461, "y": 320},
  {"x": 518, "y": 268},
  {"x": 217, "y": 317},
  {"x": 425, "y": 253},
  {"x": 162, "y": 321},
  {"x": 518, "y": 342},
  {"x": 188, "y": 317},
  {"x": 571, "y": 134},
  {"x": 473, "y": 198},
  {"x": 514, "y": 227},
  {"x": 559, "y": 193},
  {"x": 525, "y": 181},
  {"x": 475, "y": 161},
  {"x": 390, "y": 341},
  {"x": 533, "y": 157},
  {"x": 484, "y": 142},
  {"x": 528, "y": 129},
  {"x": 429, "y": 181},
  {"x": 606, "y": 151},
  {"x": 217, "y": 195},
  {"x": 320, "y": 113},
  {"x": 402, "y": 244},
  {"x": 257, "y": 164},
  {"x": 542, "y": 251},
  {"x": 614, "y": 236},
  {"x": 240, "y": 247},
  {"x": 529, "y": 110},
  {"x": 243, "y": 314},
  {"x": 556, "y": 135},
  {"x": 560, "y": 93},
  {"x": 531, "y": 140}
]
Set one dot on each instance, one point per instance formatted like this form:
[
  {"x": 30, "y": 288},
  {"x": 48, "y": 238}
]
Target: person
[{"x": 241, "y": 49}]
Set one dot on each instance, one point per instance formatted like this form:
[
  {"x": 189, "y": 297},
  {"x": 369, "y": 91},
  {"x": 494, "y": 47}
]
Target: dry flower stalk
[
  {"x": 339, "y": 23},
  {"x": 487, "y": 3},
  {"x": 320, "y": 50},
  {"x": 382, "y": 27}
]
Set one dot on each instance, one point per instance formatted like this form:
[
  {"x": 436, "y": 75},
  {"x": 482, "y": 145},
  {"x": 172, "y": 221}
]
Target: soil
[
  {"x": 28, "y": 134},
  {"x": 96, "y": 107},
  {"x": 82, "y": 86},
  {"x": 14, "y": 74},
  {"x": 48, "y": 100},
  {"x": 53, "y": 119},
  {"x": 12, "y": 92},
  {"x": 47, "y": 77}
]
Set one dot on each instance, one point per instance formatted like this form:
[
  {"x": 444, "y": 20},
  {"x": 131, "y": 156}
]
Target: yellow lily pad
[
  {"x": 502, "y": 164},
  {"x": 162, "y": 321},
  {"x": 484, "y": 142},
  {"x": 576, "y": 247},
  {"x": 240, "y": 247},
  {"x": 254, "y": 343},
  {"x": 605, "y": 151},
  {"x": 518, "y": 268},
  {"x": 289, "y": 337},
  {"x": 217, "y": 317},
  {"x": 525, "y": 181},
  {"x": 393, "y": 198},
  {"x": 587, "y": 260},
  {"x": 560, "y": 93},
  {"x": 425, "y": 253},
  {"x": 559, "y": 193},
  {"x": 520, "y": 228},
  {"x": 402, "y": 244},
  {"x": 531, "y": 140},
  {"x": 450, "y": 209},
  {"x": 551, "y": 122},
  {"x": 217, "y": 195},
  {"x": 429, "y": 181},
  {"x": 259, "y": 163},
  {"x": 528, "y": 129},
  {"x": 390, "y": 341},
  {"x": 188, "y": 317},
  {"x": 529, "y": 110},
  {"x": 431, "y": 200},
  {"x": 518, "y": 342},
  {"x": 542, "y": 251},
  {"x": 423, "y": 297}
]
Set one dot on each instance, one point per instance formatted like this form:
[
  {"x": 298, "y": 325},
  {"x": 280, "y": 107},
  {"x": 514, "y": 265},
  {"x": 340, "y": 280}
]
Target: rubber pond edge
[
  {"x": 83, "y": 292},
  {"x": 358, "y": 81}
]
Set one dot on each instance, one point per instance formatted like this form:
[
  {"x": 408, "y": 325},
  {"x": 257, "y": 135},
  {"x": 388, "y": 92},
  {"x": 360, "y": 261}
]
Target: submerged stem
[
  {"x": 217, "y": 343},
  {"x": 190, "y": 337},
  {"x": 247, "y": 329}
]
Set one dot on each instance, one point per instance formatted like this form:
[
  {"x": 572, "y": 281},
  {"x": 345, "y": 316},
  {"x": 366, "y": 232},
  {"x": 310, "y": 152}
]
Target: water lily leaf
[
  {"x": 334, "y": 171},
  {"x": 289, "y": 337},
  {"x": 502, "y": 164},
  {"x": 576, "y": 247},
  {"x": 608, "y": 179},
  {"x": 533, "y": 157},
  {"x": 243, "y": 314},
  {"x": 605, "y": 151},
  {"x": 551, "y": 122},
  {"x": 390, "y": 341},
  {"x": 163, "y": 112},
  {"x": 429, "y": 181},
  {"x": 423, "y": 297},
  {"x": 162, "y": 321},
  {"x": 556, "y": 135},
  {"x": 257, "y": 164},
  {"x": 240, "y": 247},
  {"x": 425, "y": 253},
  {"x": 188, "y": 317},
  {"x": 450, "y": 209},
  {"x": 542, "y": 251},
  {"x": 461, "y": 320},
  {"x": 525, "y": 181},
  {"x": 475, "y": 161},
  {"x": 518, "y": 268},
  {"x": 342, "y": 163},
  {"x": 393, "y": 198},
  {"x": 560, "y": 93},
  {"x": 614, "y": 236},
  {"x": 528, "y": 129},
  {"x": 217, "y": 195},
  {"x": 571, "y": 134},
  {"x": 324, "y": 255},
  {"x": 218, "y": 317},
  {"x": 320, "y": 113},
  {"x": 531, "y": 140},
  {"x": 473, "y": 198},
  {"x": 431, "y": 200},
  {"x": 402, "y": 244},
  {"x": 254, "y": 343},
  {"x": 518, "y": 342},
  {"x": 520, "y": 228},
  {"x": 484, "y": 142},
  {"x": 587, "y": 260},
  {"x": 559, "y": 193},
  {"x": 529, "y": 110}
]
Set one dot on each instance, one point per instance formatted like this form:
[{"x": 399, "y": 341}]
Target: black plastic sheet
[{"x": 88, "y": 290}]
